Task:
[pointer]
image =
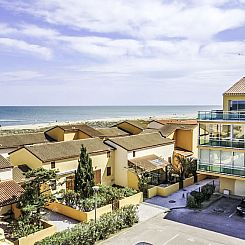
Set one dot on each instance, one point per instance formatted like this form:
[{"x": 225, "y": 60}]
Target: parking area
[{"x": 220, "y": 217}]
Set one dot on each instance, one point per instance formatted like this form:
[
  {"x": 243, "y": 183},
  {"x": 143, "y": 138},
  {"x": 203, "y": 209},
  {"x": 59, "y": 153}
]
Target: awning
[
  {"x": 148, "y": 163},
  {"x": 183, "y": 152}
]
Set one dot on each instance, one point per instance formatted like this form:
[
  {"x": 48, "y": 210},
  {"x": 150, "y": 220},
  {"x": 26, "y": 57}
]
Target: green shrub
[
  {"x": 207, "y": 191},
  {"x": 199, "y": 197},
  {"x": 191, "y": 203},
  {"x": 90, "y": 232}
]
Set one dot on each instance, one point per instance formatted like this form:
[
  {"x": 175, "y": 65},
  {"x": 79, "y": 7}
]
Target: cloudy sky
[{"x": 120, "y": 52}]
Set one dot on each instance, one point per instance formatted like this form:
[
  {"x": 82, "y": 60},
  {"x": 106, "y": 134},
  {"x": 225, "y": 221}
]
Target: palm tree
[
  {"x": 192, "y": 167},
  {"x": 182, "y": 168}
]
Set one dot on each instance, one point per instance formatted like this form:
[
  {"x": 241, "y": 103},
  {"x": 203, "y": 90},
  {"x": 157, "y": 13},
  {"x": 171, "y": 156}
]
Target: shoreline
[{"x": 94, "y": 122}]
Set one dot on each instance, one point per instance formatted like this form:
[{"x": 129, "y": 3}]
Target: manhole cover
[{"x": 172, "y": 201}]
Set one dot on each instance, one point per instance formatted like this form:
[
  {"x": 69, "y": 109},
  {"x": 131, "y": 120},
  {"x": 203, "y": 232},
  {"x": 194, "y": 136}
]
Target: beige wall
[
  {"x": 70, "y": 136},
  {"x": 56, "y": 133},
  {"x": 226, "y": 99},
  {"x": 23, "y": 156},
  {"x": 228, "y": 184},
  {"x": 4, "y": 152},
  {"x": 6, "y": 174},
  {"x": 184, "y": 139},
  {"x": 82, "y": 135},
  {"x": 239, "y": 187},
  {"x": 133, "y": 181}
]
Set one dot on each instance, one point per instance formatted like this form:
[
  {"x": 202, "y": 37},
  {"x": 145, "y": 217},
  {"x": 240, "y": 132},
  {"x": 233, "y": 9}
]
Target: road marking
[
  {"x": 232, "y": 214},
  {"x": 171, "y": 239}
]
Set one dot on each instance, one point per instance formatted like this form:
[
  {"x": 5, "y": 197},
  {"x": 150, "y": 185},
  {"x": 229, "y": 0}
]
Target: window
[
  {"x": 237, "y": 105},
  {"x": 52, "y": 164},
  {"x": 53, "y": 185},
  {"x": 108, "y": 154},
  {"x": 225, "y": 131},
  {"x": 133, "y": 153},
  {"x": 226, "y": 158},
  {"x": 215, "y": 157},
  {"x": 214, "y": 130},
  {"x": 70, "y": 182},
  {"x": 238, "y": 159},
  {"x": 238, "y": 132},
  {"x": 204, "y": 156},
  {"x": 108, "y": 171}
]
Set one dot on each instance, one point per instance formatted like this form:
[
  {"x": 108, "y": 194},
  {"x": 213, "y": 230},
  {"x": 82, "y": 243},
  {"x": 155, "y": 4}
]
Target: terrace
[{"x": 221, "y": 115}]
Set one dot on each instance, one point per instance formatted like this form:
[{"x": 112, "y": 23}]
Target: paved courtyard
[
  {"x": 220, "y": 217},
  {"x": 178, "y": 199},
  {"x": 60, "y": 221},
  {"x": 159, "y": 231}
]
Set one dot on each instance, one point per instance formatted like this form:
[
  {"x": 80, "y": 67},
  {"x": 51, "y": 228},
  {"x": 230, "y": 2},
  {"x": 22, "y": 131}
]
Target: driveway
[
  {"x": 178, "y": 199},
  {"x": 159, "y": 231},
  {"x": 60, "y": 221},
  {"x": 220, "y": 217}
]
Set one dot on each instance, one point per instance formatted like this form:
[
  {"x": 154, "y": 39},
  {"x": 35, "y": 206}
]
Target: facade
[
  {"x": 183, "y": 132},
  {"x": 136, "y": 146},
  {"x": 63, "y": 156},
  {"x": 222, "y": 141}
]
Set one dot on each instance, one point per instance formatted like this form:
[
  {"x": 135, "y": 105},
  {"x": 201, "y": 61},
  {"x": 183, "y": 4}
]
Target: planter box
[
  {"x": 48, "y": 230},
  {"x": 168, "y": 190},
  {"x": 77, "y": 214},
  {"x": 152, "y": 191},
  {"x": 188, "y": 181},
  {"x": 134, "y": 200}
]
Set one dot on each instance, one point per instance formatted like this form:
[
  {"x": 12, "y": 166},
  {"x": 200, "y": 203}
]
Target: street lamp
[{"x": 95, "y": 189}]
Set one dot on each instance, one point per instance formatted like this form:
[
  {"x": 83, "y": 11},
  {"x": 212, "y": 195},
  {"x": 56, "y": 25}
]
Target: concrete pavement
[
  {"x": 178, "y": 199},
  {"x": 159, "y": 231}
]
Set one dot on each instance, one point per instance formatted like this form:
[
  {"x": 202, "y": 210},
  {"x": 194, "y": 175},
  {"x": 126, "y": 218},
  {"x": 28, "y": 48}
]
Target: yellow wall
[
  {"x": 134, "y": 200},
  {"x": 228, "y": 184},
  {"x": 152, "y": 191},
  {"x": 82, "y": 135},
  {"x": 133, "y": 180},
  {"x": 163, "y": 191},
  {"x": 188, "y": 182},
  {"x": 70, "y": 136},
  {"x": 56, "y": 133},
  {"x": 37, "y": 236},
  {"x": 226, "y": 99},
  {"x": 77, "y": 214},
  {"x": 129, "y": 128},
  {"x": 184, "y": 139},
  {"x": 23, "y": 156}
]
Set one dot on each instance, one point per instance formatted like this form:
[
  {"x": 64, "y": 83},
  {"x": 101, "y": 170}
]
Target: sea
[{"x": 24, "y": 115}]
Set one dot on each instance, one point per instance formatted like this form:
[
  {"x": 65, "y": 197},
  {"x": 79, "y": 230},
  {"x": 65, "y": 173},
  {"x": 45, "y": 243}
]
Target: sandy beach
[{"x": 97, "y": 123}]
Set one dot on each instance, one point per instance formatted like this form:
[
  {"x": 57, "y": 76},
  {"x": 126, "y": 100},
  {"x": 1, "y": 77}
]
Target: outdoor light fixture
[{"x": 95, "y": 189}]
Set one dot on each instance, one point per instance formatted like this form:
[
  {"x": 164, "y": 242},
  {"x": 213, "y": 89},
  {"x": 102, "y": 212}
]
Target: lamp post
[{"x": 95, "y": 189}]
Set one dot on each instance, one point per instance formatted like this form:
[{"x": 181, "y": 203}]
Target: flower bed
[{"x": 90, "y": 232}]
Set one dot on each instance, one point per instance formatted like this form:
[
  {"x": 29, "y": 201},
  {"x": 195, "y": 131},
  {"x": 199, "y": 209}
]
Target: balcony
[
  {"x": 222, "y": 169},
  {"x": 240, "y": 144},
  {"x": 222, "y": 115}
]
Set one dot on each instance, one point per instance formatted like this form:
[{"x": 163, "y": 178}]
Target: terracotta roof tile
[
  {"x": 10, "y": 192},
  {"x": 4, "y": 163}
]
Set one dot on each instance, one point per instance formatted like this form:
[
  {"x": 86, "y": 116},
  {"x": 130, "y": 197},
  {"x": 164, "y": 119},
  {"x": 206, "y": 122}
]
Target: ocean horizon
[{"x": 24, "y": 115}]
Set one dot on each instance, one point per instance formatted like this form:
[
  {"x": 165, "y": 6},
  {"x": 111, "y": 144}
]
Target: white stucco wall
[{"x": 6, "y": 174}]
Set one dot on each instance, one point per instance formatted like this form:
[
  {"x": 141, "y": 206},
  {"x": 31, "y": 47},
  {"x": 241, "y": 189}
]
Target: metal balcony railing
[
  {"x": 222, "y": 169},
  {"x": 240, "y": 144},
  {"x": 222, "y": 115}
]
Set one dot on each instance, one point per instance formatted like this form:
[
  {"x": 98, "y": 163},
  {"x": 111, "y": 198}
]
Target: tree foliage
[
  {"x": 36, "y": 195},
  {"x": 84, "y": 176}
]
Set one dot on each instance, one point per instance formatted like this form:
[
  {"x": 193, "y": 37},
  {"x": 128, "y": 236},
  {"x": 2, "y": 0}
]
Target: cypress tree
[{"x": 84, "y": 176}]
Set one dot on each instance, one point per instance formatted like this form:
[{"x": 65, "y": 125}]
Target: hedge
[{"x": 90, "y": 232}]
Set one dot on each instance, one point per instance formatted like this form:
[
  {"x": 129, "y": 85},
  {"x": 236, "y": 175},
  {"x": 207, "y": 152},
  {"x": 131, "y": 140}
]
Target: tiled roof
[
  {"x": 137, "y": 123},
  {"x": 10, "y": 192},
  {"x": 17, "y": 140},
  {"x": 4, "y": 163},
  {"x": 168, "y": 129},
  {"x": 112, "y": 132},
  {"x": 237, "y": 88},
  {"x": 148, "y": 163},
  {"x": 140, "y": 141},
  {"x": 66, "y": 149},
  {"x": 80, "y": 127}
]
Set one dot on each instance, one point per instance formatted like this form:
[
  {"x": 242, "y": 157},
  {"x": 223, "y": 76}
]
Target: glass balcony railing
[
  {"x": 222, "y": 169},
  {"x": 222, "y": 115},
  {"x": 240, "y": 144}
]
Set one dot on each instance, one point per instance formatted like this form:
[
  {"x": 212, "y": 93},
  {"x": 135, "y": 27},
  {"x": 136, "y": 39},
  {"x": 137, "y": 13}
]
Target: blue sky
[{"x": 120, "y": 52}]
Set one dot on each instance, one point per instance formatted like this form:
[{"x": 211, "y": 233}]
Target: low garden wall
[
  {"x": 188, "y": 181},
  {"x": 201, "y": 177},
  {"x": 134, "y": 200},
  {"x": 152, "y": 191},
  {"x": 77, "y": 214},
  {"x": 48, "y": 230},
  {"x": 163, "y": 191}
]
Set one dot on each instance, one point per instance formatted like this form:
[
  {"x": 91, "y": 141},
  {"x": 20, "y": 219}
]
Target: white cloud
[{"x": 26, "y": 47}]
